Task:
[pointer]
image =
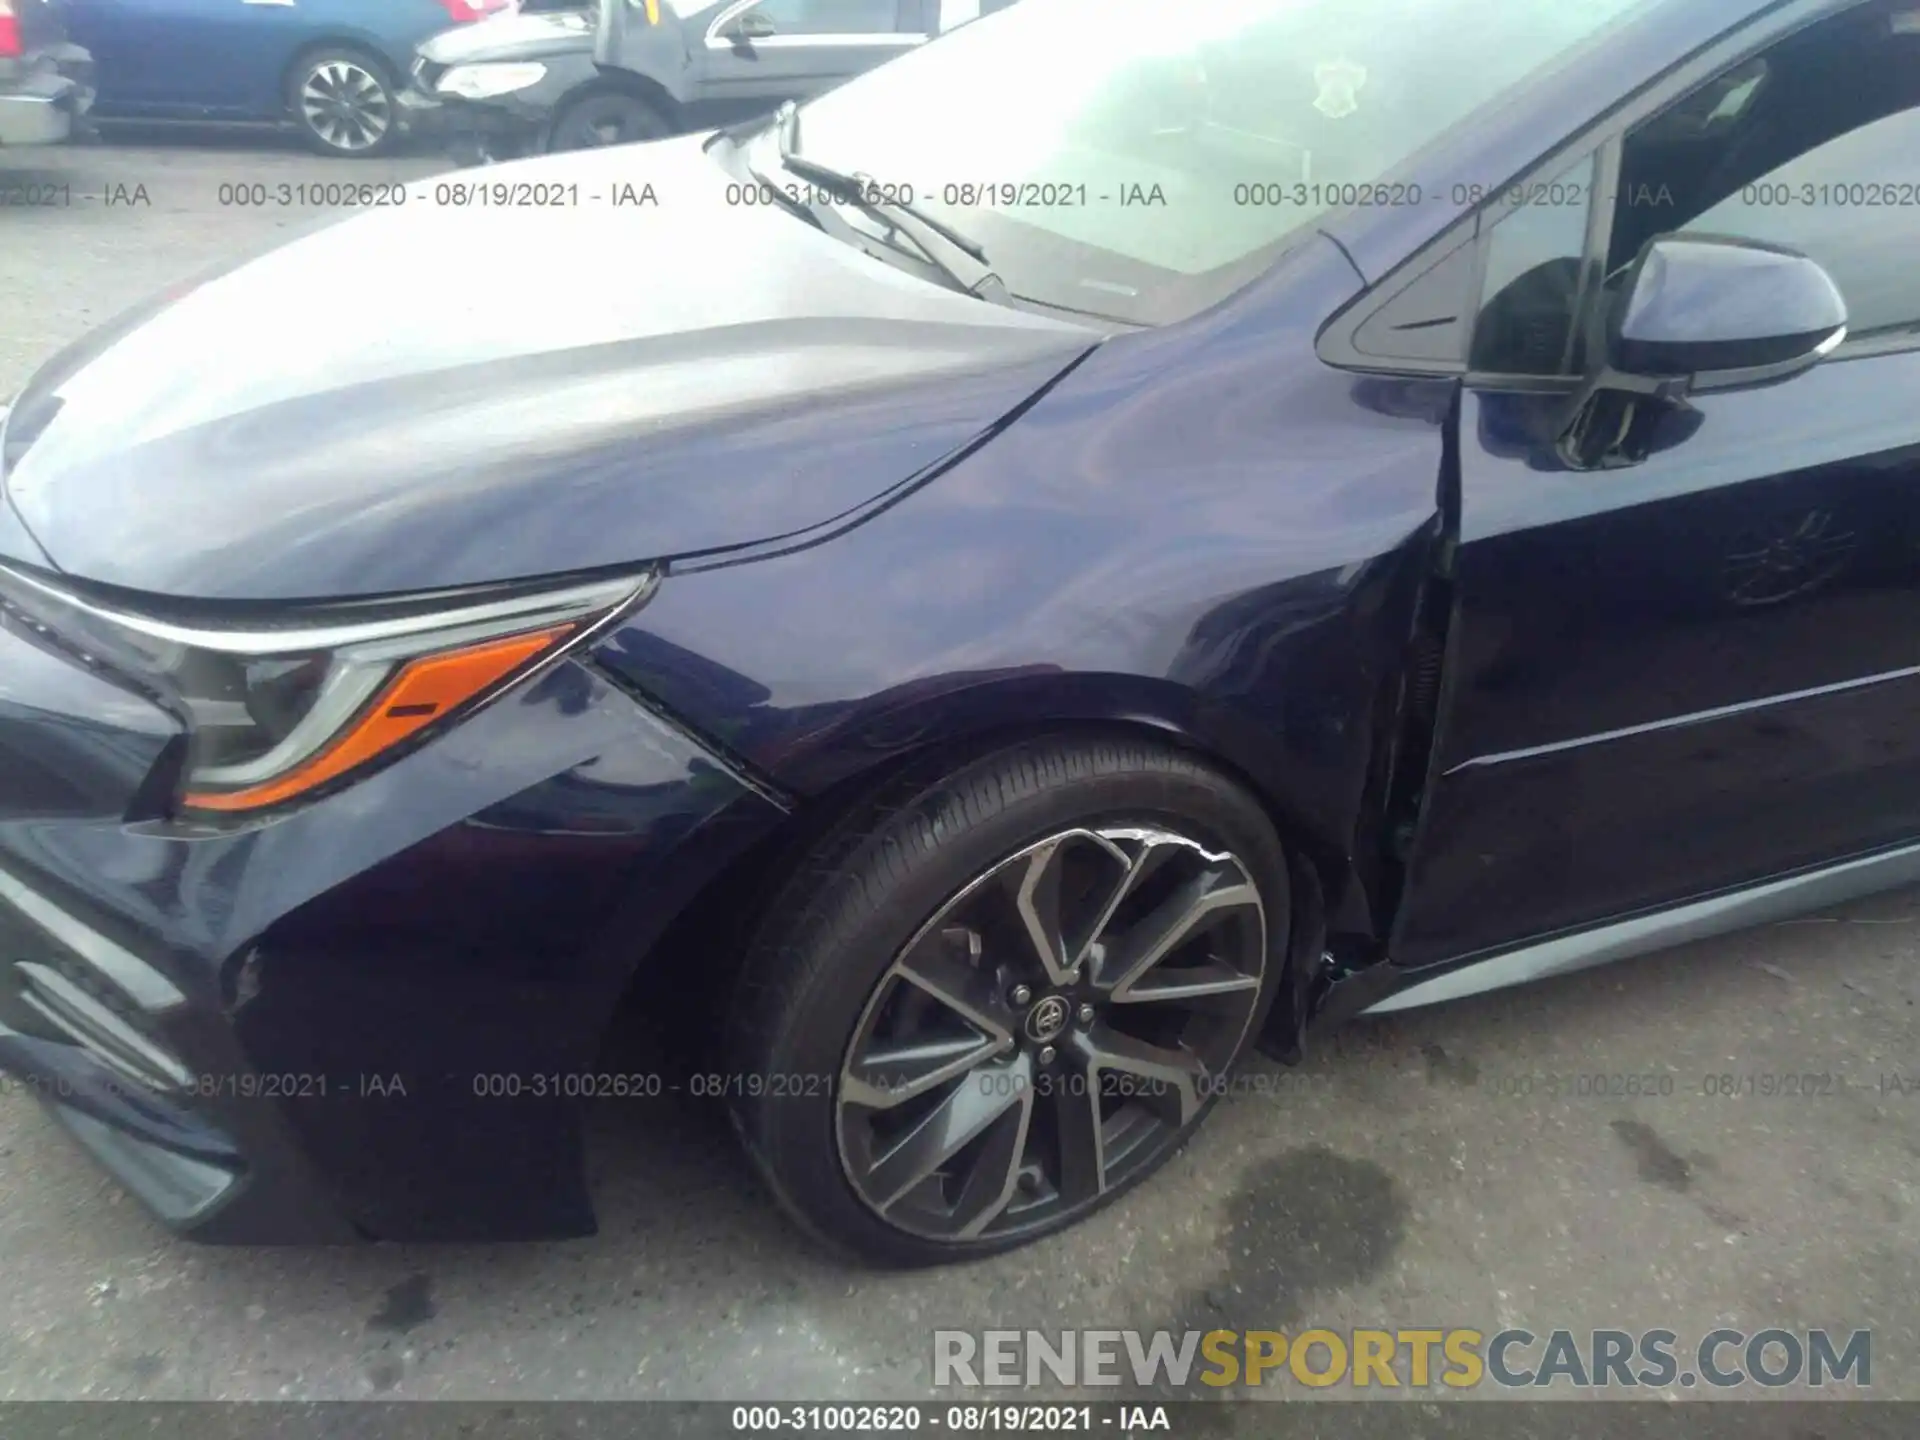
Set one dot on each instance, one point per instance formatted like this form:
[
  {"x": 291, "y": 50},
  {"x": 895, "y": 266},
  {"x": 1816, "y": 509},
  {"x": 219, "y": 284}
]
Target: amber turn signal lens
[{"x": 422, "y": 692}]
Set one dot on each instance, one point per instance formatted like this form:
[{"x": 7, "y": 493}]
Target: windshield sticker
[{"x": 1339, "y": 82}]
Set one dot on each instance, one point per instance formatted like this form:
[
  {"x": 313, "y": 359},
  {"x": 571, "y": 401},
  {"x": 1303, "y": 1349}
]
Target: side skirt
[{"x": 1679, "y": 925}]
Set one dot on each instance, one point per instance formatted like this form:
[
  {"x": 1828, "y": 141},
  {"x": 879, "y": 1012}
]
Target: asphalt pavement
[{"x": 1486, "y": 1164}]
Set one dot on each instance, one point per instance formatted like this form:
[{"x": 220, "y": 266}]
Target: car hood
[
  {"x": 512, "y": 37},
  {"x": 442, "y": 394}
]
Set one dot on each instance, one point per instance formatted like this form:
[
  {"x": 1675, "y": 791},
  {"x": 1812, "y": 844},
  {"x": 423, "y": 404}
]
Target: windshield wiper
[
  {"x": 770, "y": 187},
  {"x": 899, "y": 216}
]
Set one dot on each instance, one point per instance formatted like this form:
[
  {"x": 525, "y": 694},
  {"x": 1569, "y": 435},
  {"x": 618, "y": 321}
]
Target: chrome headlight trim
[
  {"x": 276, "y": 711},
  {"x": 548, "y": 607}
]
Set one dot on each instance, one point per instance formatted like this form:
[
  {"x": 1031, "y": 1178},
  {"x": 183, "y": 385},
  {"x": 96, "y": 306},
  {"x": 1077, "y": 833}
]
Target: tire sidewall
[
  {"x": 794, "y": 1134},
  {"x": 374, "y": 66},
  {"x": 569, "y": 119}
]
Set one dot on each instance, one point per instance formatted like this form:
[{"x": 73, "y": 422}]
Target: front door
[
  {"x": 185, "y": 58},
  {"x": 1691, "y": 671}
]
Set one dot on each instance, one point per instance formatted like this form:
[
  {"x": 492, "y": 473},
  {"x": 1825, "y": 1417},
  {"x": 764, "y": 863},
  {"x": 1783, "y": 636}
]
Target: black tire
[
  {"x": 814, "y": 980},
  {"x": 343, "y": 103},
  {"x": 606, "y": 117},
  {"x": 470, "y": 151}
]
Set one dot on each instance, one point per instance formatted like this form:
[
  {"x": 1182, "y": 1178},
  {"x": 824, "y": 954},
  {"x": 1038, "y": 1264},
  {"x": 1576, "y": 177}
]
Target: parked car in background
[
  {"x": 503, "y": 88},
  {"x": 330, "y": 68},
  {"x": 572, "y": 77},
  {"x": 46, "y": 81}
]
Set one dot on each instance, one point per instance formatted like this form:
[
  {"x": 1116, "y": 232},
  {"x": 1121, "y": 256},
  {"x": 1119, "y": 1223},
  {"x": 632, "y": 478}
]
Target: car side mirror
[
  {"x": 1723, "y": 314},
  {"x": 750, "y": 27},
  {"x": 1694, "y": 314}
]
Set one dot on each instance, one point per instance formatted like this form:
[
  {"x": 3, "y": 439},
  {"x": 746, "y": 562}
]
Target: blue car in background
[{"x": 330, "y": 67}]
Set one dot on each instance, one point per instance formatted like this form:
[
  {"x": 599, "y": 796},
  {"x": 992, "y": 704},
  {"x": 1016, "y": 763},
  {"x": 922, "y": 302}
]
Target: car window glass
[
  {"x": 1142, "y": 159},
  {"x": 1531, "y": 291},
  {"x": 1853, "y": 205},
  {"x": 1815, "y": 146},
  {"x": 829, "y": 17}
]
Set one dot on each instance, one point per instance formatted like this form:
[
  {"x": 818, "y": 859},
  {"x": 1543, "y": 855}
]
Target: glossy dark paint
[
  {"x": 70, "y": 743},
  {"x": 1200, "y": 528},
  {"x": 1594, "y": 604},
  {"x": 782, "y": 380},
  {"x": 1661, "y": 681},
  {"x": 472, "y": 910}
]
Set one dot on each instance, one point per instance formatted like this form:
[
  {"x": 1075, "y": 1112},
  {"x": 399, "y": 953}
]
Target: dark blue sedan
[
  {"x": 970, "y": 615},
  {"x": 331, "y": 68}
]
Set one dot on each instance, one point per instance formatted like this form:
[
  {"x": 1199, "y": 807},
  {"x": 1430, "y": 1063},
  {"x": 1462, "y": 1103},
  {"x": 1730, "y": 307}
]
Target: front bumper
[
  {"x": 474, "y": 131},
  {"x": 141, "y": 1088},
  {"x": 347, "y": 1022}
]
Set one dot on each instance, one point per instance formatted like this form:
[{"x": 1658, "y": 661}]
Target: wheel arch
[
  {"x": 705, "y": 939},
  {"x": 977, "y": 714},
  {"x": 360, "y": 42},
  {"x": 610, "y": 80}
]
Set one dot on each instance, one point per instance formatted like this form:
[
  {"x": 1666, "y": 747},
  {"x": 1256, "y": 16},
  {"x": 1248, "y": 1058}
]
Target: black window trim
[
  {"x": 1604, "y": 139},
  {"x": 902, "y": 11}
]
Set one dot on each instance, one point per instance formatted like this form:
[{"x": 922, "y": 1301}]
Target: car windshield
[{"x": 1141, "y": 159}]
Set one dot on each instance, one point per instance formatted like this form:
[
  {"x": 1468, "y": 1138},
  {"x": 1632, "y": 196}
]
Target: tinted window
[
  {"x": 1853, "y": 204},
  {"x": 1532, "y": 288},
  {"x": 1145, "y": 158},
  {"x": 831, "y": 17},
  {"x": 1814, "y": 145}
]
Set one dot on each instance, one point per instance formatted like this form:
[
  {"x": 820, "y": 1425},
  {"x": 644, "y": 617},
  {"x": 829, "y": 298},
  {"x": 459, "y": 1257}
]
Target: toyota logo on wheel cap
[{"x": 1047, "y": 1019}]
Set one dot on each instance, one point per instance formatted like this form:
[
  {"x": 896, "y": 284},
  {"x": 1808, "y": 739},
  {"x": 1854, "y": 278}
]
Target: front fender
[
  {"x": 812, "y": 750},
  {"x": 1202, "y": 529},
  {"x": 396, "y": 52},
  {"x": 661, "y": 50}
]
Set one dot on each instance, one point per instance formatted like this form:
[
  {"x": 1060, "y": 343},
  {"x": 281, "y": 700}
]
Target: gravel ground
[{"x": 1401, "y": 1177}]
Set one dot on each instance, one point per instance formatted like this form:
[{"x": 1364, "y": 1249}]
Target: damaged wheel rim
[{"x": 1052, "y": 1030}]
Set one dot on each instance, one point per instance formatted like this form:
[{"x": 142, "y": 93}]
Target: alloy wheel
[
  {"x": 1052, "y": 1030},
  {"x": 345, "y": 105}
]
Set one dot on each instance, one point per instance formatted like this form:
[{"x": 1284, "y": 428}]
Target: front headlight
[
  {"x": 482, "y": 82},
  {"x": 280, "y": 710}
]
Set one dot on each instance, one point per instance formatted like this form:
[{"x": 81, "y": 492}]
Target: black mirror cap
[{"x": 1722, "y": 312}]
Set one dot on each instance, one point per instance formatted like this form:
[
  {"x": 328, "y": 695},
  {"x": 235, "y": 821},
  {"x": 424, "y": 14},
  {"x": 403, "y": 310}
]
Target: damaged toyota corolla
[{"x": 976, "y": 624}]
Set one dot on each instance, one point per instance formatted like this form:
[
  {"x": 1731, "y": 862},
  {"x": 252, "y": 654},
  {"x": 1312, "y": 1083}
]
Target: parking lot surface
[{"x": 1606, "y": 1150}]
